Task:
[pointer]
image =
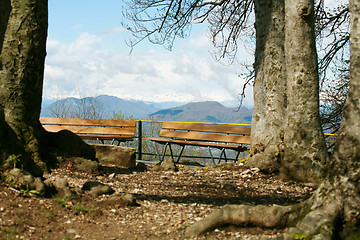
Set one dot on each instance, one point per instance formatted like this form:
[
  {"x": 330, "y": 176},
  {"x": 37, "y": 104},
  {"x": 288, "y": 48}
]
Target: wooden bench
[
  {"x": 202, "y": 135},
  {"x": 93, "y": 129}
]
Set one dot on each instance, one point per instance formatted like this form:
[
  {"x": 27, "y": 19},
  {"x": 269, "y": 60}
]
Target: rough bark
[
  {"x": 305, "y": 150},
  {"x": 246, "y": 215},
  {"x": 11, "y": 145},
  {"x": 270, "y": 85},
  {"x": 349, "y": 133},
  {"x": 5, "y": 9},
  {"x": 21, "y": 76},
  {"x": 286, "y": 131}
]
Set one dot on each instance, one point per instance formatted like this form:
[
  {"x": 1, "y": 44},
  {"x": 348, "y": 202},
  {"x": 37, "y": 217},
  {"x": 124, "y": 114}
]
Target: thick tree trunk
[
  {"x": 333, "y": 211},
  {"x": 22, "y": 57},
  {"x": 346, "y": 158},
  {"x": 305, "y": 150},
  {"x": 11, "y": 144},
  {"x": 5, "y": 8},
  {"x": 286, "y": 131},
  {"x": 270, "y": 85}
]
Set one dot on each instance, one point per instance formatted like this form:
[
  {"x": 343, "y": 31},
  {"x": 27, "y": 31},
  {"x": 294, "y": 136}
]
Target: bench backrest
[
  {"x": 206, "y": 132},
  {"x": 90, "y": 126}
]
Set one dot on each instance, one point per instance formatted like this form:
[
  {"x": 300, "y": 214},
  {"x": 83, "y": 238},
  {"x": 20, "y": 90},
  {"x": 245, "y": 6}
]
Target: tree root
[
  {"x": 323, "y": 216},
  {"x": 265, "y": 216}
]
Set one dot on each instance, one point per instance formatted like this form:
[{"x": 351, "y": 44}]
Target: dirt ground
[{"x": 169, "y": 202}]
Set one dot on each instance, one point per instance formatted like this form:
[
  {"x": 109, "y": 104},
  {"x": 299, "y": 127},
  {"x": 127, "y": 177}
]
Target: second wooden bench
[
  {"x": 203, "y": 135},
  {"x": 93, "y": 129}
]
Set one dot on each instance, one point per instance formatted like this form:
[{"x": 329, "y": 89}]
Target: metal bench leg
[
  {"x": 171, "y": 152},
  {"x": 237, "y": 155},
  {"x": 221, "y": 153},
  {"x": 225, "y": 155},
  {"x": 181, "y": 152},
  {"x": 212, "y": 157},
  {"x": 164, "y": 152},
  {"x": 157, "y": 151}
]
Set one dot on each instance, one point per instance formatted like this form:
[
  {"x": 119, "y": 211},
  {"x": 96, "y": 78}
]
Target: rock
[
  {"x": 63, "y": 188},
  {"x": 120, "y": 156},
  {"x": 69, "y": 144},
  {"x": 97, "y": 188},
  {"x": 141, "y": 166},
  {"x": 264, "y": 162},
  {"x": 124, "y": 200},
  {"x": 85, "y": 165},
  {"x": 71, "y": 231},
  {"x": 61, "y": 183},
  {"x": 25, "y": 181},
  {"x": 167, "y": 165}
]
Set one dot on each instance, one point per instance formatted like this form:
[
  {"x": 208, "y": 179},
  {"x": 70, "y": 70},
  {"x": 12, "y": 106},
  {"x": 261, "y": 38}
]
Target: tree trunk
[
  {"x": 11, "y": 145},
  {"x": 270, "y": 85},
  {"x": 22, "y": 57},
  {"x": 305, "y": 150},
  {"x": 333, "y": 211},
  {"x": 286, "y": 131},
  {"x": 5, "y": 9}
]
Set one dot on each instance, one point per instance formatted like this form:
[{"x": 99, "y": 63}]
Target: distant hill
[
  {"x": 209, "y": 111},
  {"x": 107, "y": 104}
]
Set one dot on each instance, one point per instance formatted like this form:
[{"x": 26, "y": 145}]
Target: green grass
[{"x": 10, "y": 232}]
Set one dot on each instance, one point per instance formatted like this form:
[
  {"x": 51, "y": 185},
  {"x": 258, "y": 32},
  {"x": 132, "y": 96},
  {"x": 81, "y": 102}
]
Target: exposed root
[
  {"x": 265, "y": 216},
  {"x": 318, "y": 224},
  {"x": 328, "y": 214}
]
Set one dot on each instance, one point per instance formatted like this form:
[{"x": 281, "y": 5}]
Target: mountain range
[{"x": 209, "y": 111}]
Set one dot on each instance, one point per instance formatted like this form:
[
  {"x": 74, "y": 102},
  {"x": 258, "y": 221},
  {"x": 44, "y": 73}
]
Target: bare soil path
[{"x": 168, "y": 203}]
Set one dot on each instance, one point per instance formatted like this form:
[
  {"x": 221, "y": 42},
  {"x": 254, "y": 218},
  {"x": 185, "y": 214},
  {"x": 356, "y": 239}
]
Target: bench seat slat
[
  {"x": 91, "y": 130},
  {"x": 204, "y": 144},
  {"x": 201, "y": 136},
  {"x": 207, "y": 128},
  {"x": 88, "y": 122}
]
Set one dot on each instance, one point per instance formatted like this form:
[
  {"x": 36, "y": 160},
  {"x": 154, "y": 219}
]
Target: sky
[{"x": 87, "y": 55}]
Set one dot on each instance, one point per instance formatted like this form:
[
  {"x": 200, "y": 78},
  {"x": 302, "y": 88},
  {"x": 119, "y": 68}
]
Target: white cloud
[{"x": 187, "y": 74}]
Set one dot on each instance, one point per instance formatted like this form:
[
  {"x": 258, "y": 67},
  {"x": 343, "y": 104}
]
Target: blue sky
[{"x": 87, "y": 56}]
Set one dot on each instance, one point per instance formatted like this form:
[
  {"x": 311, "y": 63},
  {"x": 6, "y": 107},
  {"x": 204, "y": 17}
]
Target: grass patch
[
  {"x": 10, "y": 232},
  {"x": 62, "y": 202},
  {"x": 81, "y": 208},
  {"x": 49, "y": 213}
]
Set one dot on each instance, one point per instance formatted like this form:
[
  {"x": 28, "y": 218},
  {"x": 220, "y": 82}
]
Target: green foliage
[
  {"x": 300, "y": 236},
  {"x": 10, "y": 232},
  {"x": 62, "y": 202},
  {"x": 14, "y": 159},
  {"x": 27, "y": 191},
  {"x": 354, "y": 236},
  {"x": 81, "y": 208},
  {"x": 243, "y": 160}
]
